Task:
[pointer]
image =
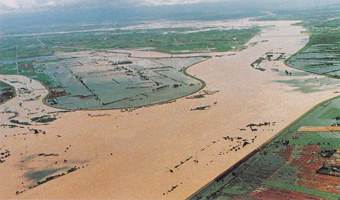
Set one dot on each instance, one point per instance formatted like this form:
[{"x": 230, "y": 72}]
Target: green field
[{"x": 176, "y": 41}]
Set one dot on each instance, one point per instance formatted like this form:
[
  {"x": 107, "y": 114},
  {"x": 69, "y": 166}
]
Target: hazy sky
[
  {"x": 36, "y": 5},
  {"x": 39, "y": 5}
]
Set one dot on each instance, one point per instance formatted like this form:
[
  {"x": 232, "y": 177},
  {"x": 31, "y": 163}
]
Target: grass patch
[{"x": 331, "y": 114}]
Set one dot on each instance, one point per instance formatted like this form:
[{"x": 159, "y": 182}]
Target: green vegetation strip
[
  {"x": 331, "y": 114},
  {"x": 303, "y": 190}
]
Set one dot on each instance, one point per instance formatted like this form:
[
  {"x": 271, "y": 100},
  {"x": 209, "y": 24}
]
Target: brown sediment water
[{"x": 166, "y": 151}]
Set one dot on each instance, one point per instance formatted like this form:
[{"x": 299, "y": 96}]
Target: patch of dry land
[{"x": 166, "y": 151}]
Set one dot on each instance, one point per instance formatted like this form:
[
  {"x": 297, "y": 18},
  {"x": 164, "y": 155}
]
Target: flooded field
[
  {"x": 107, "y": 80},
  {"x": 320, "y": 59}
]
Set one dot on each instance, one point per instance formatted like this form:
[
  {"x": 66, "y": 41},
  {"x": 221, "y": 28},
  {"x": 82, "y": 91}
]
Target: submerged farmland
[{"x": 109, "y": 80}]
